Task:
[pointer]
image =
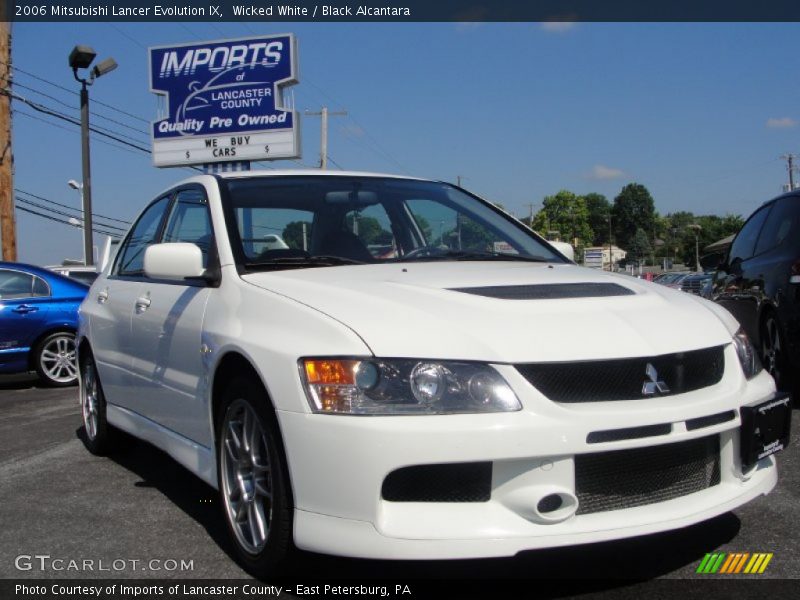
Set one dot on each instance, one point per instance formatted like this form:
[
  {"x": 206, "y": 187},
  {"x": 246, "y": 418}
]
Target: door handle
[
  {"x": 142, "y": 303},
  {"x": 102, "y": 297},
  {"x": 24, "y": 309}
]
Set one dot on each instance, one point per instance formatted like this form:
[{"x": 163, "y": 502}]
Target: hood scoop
[{"x": 548, "y": 291}]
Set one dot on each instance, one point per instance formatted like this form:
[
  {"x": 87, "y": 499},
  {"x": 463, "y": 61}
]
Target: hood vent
[{"x": 548, "y": 291}]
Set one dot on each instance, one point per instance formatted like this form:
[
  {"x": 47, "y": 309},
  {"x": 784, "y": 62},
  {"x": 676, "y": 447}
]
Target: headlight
[
  {"x": 404, "y": 387},
  {"x": 748, "y": 357}
]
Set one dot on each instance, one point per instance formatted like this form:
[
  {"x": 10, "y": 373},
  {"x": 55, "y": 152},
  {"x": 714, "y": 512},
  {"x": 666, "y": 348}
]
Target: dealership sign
[{"x": 224, "y": 101}]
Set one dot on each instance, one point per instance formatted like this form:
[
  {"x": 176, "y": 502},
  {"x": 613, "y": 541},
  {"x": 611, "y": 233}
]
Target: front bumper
[{"x": 338, "y": 465}]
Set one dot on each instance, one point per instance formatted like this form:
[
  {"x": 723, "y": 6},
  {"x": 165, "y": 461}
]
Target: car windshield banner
[{"x": 224, "y": 101}]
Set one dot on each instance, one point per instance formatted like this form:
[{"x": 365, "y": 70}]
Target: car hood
[{"x": 423, "y": 310}]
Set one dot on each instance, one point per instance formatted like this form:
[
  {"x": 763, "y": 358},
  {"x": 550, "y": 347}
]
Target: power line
[
  {"x": 57, "y": 126},
  {"x": 377, "y": 146},
  {"x": 94, "y": 214},
  {"x": 67, "y": 105},
  {"x": 54, "y": 113},
  {"x": 38, "y": 214},
  {"x": 65, "y": 214},
  {"x": 70, "y": 91},
  {"x": 131, "y": 38},
  {"x": 336, "y": 164}
]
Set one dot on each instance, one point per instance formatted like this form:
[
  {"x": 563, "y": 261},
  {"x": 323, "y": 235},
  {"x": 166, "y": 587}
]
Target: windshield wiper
[
  {"x": 470, "y": 255},
  {"x": 304, "y": 261}
]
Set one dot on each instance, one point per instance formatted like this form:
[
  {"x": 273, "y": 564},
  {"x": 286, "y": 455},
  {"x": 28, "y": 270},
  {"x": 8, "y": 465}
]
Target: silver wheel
[
  {"x": 89, "y": 400},
  {"x": 58, "y": 359},
  {"x": 246, "y": 475}
]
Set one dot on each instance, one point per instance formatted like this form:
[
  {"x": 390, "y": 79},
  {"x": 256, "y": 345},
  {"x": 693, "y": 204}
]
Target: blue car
[{"x": 38, "y": 321}]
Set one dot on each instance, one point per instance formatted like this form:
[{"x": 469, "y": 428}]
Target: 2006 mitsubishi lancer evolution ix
[{"x": 389, "y": 367}]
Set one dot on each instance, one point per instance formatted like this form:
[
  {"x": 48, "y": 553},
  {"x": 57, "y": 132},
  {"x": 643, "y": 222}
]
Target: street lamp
[
  {"x": 81, "y": 57},
  {"x": 76, "y": 222},
  {"x": 696, "y": 228}
]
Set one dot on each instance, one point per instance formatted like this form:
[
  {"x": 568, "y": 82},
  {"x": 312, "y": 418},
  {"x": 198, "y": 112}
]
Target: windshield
[{"x": 280, "y": 222}]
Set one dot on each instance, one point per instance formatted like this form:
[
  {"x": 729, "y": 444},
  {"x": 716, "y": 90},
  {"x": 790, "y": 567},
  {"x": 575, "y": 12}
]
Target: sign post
[{"x": 224, "y": 101}]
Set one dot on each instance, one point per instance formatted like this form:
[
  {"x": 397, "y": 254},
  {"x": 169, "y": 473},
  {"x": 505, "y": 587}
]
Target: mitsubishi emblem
[{"x": 654, "y": 385}]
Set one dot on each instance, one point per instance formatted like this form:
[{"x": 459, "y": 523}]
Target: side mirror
[
  {"x": 565, "y": 249},
  {"x": 177, "y": 261}
]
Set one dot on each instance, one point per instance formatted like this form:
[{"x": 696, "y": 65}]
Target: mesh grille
[
  {"x": 627, "y": 478},
  {"x": 624, "y": 379},
  {"x": 465, "y": 482},
  {"x": 549, "y": 291}
]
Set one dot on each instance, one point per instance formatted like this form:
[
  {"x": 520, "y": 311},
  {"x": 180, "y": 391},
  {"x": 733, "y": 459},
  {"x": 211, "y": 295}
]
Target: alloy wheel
[
  {"x": 246, "y": 476},
  {"x": 58, "y": 359},
  {"x": 89, "y": 403}
]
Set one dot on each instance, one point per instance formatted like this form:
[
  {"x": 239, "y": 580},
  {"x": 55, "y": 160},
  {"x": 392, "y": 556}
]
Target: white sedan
[{"x": 415, "y": 374}]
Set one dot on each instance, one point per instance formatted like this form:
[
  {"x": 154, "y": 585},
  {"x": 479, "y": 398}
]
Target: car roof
[
  {"x": 311, "y": 172},
  {"x": 42, "y": 272}
]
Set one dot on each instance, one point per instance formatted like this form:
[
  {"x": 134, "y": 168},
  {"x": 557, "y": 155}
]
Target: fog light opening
[{"x": 549, "y": 504}]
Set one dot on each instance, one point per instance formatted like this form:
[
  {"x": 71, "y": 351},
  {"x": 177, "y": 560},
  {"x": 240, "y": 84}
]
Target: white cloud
[
  {"x": 558, "y": 26},
  {"x": 603, "y": 172},
  {"x": 782, "y": 123},
  {"x": 467, "y": 26}
]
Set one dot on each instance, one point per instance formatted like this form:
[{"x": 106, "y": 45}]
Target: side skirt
[{"x": 198, "y": 459}]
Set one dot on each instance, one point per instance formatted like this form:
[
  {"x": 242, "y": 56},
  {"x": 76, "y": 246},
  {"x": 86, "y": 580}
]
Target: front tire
[
  {"x": 55, "y": 359},
  {"x": 253, "y": 479}
]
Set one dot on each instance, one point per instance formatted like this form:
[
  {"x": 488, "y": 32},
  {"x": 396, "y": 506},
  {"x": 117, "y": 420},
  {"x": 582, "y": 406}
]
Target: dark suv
[{"x": 759, "y": 283}]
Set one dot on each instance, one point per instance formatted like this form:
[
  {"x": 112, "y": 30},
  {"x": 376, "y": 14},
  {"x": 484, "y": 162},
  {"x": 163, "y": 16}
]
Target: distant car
[
  {"x": 83, "y": 274},
  {"x": 668, "y": 277},
  {"x": 695, "y": 283},
  {"x": 759, "y": 282},
  {"x": 675, "y": 282},
  {"x": 38, "y": 320}
]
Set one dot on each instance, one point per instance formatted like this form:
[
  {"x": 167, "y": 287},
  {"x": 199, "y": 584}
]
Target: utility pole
[
  {"x": 530, "y": 206},
  {"x": 8, "y": 230},
  {"x": 610, "y": 247},
  {"x": 789, "y": 158},
  {"x": 323, "y": 138},
  {"x": 86, "y": 186}
]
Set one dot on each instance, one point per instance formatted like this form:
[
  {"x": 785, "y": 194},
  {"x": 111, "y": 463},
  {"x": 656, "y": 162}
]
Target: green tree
[
  {"x": 633, "y": 209},
  {"x": 566, "y": 213},
  {"x": 599, "y": 208},
  {"x": 370, "y": 230},
  {"x": 475, "y": 237},
  {"x": 293, "y": 234},
  {"x": 640, "y": 246}
]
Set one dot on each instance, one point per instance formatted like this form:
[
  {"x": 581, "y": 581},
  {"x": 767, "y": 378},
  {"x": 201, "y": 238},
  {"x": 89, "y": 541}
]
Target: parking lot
[{"x": 144, "y": 511}]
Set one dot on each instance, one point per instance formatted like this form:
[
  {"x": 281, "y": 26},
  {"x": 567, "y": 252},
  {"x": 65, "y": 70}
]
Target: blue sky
[{"x": 699, "y": 113}]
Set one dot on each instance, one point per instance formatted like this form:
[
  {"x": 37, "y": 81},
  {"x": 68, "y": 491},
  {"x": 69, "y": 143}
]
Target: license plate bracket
[{"x": 765, "y": 428}]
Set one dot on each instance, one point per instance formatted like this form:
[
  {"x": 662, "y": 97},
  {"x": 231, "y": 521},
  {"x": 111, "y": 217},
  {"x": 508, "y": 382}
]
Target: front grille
[
  {"x": 461, "y": 482},
  {"x": 626, "y": 478},
  {"x": 694, "y": 285},
  {"x": 548, "y": 291},
  {"x": 625, "y": 379}
]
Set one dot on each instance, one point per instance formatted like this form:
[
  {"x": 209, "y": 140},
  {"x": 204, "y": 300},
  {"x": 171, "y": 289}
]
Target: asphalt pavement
[{"x": 144, "y": 511}]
